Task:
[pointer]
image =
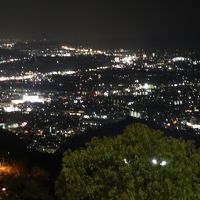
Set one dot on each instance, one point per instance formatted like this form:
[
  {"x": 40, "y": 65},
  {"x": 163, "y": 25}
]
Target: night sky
[{"x": 105, "y": 23}]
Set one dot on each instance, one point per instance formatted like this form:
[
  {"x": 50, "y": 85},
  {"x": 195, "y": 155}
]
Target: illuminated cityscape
[
  {"x": 51, "y": 93},
  {"x": 99, "y": 100}
]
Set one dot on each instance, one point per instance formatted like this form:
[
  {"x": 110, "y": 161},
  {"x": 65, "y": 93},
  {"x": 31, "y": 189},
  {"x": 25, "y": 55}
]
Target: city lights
[
  {"x": 105, "y": 87},
  {"x": 29, "y": 98},
  {"x": 11, "y": 109}
]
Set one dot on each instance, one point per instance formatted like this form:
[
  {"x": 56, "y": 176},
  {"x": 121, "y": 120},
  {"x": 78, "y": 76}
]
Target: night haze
[{"x": 104, "y": 24}]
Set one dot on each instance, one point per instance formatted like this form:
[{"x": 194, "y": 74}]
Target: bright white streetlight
[
  {"x": 125, "y": 161},
  {"x": 163, "y": 163},
  {"x": 154, "y": 161}
]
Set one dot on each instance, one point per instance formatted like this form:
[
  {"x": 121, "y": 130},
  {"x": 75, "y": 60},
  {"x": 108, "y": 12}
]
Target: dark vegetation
[
  {"x": 42, "y": 169},
  {"x": 142, "y": 163}
]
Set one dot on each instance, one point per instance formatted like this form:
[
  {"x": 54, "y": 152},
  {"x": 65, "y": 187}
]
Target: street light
[
  {"x": 154, "y": 161},
  {"x": 126, "y": 161},
  {"x": 162, "y": 163}
]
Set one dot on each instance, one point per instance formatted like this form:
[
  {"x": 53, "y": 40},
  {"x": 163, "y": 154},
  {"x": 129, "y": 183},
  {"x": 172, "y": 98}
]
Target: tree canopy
[{"x": 140, "y": 164}]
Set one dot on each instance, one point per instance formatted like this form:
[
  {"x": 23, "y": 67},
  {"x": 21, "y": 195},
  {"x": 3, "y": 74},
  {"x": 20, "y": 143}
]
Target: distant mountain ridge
[{"x": 111, "y": 130}]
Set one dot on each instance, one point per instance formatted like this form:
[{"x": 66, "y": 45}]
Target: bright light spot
[
  {"x": 146, "y": 86},
  {"x": 106, "y": 93},
  {"x": 117, "y": 59},
  {"x": 163, "y": 163},
  {"x": 3, "y": 189},
  {"x": 170, "y": 68},
  {"x": 69, "y": 72},
  {"x": 17, "y": 101},
  {"x": 13, "y": 126},
  {"x": 28, "y": 110},
  {"x": 127, "y": 90},
  {"x": 86, "y": 117},
  {"x": 144, "y": 56},
  {"x": 68, "y": 48},
  {"x": 11, "y": 109},
  {"x": 135, "y": 114},
  {"x": 125, "y": 161},
  {"x": 104, "y": 117},
  {"x": 177, "y": 59},
  {"x": 33, "y": 99},
  {"x": 127, "y": 60},
  {"x": 27, "y": 98},
  {"x": 194, "y": 126},
  {"x": 24, "y": 124},
  {"x": 154, "y": 161}
]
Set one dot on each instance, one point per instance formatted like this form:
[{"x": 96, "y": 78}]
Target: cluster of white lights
[
  {"x": 23, "y": 77},
  {"x": 194, "y": 126},
  {"x": 128, "y": 59},
  {"x": 9, "y": 60},
  {"x": 106, "y": 93},
  {"x": 68, "y": 48},
  {"x": 178, "y": 59},
  {"x": 27, "y": 98},
  {"x": 146, "y": 86},
  {"x": 60, "y": 73},
  {"x": 154, "y": 161},
  {"x": 11, "y": 109},
  {"x": 24, "y": 124},
  {"x": 82, "y": 50}
]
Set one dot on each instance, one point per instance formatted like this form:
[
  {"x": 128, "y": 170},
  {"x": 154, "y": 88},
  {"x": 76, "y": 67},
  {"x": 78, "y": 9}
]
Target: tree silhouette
[{"x": 140, "y": 164}]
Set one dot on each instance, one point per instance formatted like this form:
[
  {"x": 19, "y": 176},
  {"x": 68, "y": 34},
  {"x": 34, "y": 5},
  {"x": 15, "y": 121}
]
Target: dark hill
[
  {"x": 10, "y": 143},
  {"x": 111, "y": 130},
  {"x": 13, "y": 148}
]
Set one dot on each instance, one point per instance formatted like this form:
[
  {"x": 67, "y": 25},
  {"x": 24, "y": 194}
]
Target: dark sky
[{"x": 105, "y": 23}]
